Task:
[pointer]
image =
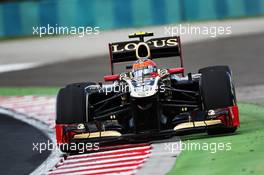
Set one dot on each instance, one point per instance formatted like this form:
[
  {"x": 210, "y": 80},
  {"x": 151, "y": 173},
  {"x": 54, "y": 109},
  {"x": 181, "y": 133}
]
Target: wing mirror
[
  {"x": 177, "y": 70},
  {"x": 111, "y": 77}
]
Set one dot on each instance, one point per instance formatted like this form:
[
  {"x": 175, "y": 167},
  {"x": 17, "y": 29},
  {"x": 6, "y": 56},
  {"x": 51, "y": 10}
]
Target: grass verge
[
  {"x": 246, "y": 156},
  {"x": 16, "y": 91}
]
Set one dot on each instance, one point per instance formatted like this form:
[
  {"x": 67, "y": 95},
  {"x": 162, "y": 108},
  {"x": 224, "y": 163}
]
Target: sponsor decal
[{"x": 156, "y": 43}]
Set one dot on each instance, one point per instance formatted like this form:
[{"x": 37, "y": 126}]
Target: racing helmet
[{"x": 144, "y": 67}]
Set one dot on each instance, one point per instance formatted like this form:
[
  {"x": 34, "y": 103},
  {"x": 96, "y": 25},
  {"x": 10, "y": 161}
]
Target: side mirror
[
  {"x": 178, "y": 70},
  {"x": 111, "y": 77}
]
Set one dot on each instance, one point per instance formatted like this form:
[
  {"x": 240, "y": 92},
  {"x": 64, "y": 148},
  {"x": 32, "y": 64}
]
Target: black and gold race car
[{"x": 147, "y": 101}]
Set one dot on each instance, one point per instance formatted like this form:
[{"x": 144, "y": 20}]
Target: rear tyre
[{"x": 217, "y": 91}]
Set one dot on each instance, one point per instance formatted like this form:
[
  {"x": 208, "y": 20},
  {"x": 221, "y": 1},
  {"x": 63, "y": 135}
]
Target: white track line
[
  {"x": 18, "y": 66},
  {"x": 62, "y": 170},
  {"x": 86, "y": 159},
  {"x": 111, "y": 151},
  {"x": 102, "y": 161},
  {"x": 115, "y": 163},
  {"x": 106, "y": 170}
]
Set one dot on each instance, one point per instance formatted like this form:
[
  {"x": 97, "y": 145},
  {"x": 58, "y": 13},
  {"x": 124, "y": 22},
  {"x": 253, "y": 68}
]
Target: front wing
[{"x": 220, "y": 118}]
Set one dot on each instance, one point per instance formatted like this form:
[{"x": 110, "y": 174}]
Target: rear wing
[{"x": 159, "y": 48}]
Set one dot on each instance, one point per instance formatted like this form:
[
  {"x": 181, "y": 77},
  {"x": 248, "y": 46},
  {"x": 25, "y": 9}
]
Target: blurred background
[{"x": 17, "y": 17}]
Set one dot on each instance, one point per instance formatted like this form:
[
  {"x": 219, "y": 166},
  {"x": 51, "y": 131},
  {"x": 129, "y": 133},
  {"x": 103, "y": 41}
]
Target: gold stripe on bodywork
[
  {"x": 197, "y": 124},
  {"x": 97, "y": 134}
]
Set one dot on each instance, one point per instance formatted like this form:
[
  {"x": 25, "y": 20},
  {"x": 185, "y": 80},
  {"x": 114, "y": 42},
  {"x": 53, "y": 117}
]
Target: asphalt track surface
[
  {"x": 244, "y": 54},
  {"x": 16, "y": 155}
]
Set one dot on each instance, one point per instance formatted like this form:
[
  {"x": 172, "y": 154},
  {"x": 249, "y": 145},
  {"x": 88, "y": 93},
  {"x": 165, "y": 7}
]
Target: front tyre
[
  {"x": 217, "y": 91},
  {"x": 71, "y": 103},
  {"x": 71, "y": 109}
]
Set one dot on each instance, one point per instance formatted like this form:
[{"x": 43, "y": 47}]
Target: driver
[{"x": 144, "y": 68}]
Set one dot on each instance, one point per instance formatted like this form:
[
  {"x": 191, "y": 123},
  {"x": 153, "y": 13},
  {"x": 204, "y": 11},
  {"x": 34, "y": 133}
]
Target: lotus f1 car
[{"x": 147, "y": 101}]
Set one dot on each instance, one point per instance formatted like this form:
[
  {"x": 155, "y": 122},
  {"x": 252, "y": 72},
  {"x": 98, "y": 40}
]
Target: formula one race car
[{"x": 147, "y": 101}]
